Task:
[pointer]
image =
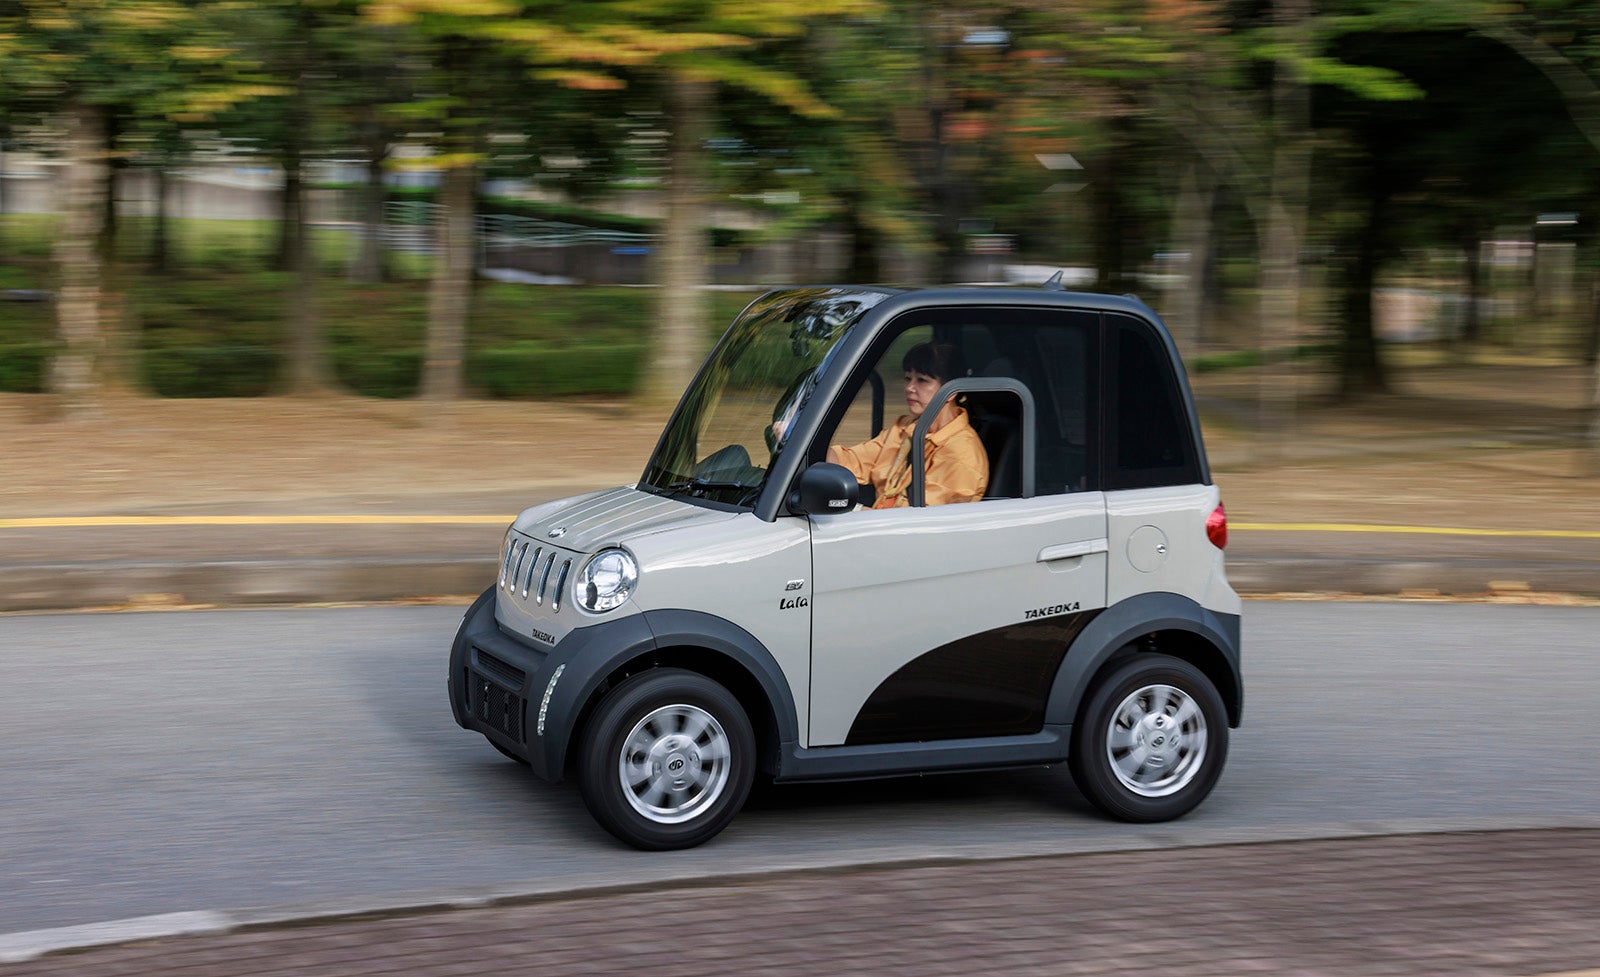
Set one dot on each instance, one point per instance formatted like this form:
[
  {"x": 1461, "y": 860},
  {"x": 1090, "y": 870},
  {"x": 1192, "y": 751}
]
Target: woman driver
[{"x": 957, "y": 466}]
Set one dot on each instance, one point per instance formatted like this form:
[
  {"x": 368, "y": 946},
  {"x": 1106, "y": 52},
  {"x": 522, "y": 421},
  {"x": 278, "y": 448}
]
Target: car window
[
  {"x": 1148, "y": 435},
  {"x": 1050, "y": 352},
  {"x": 877, "y": 400}
]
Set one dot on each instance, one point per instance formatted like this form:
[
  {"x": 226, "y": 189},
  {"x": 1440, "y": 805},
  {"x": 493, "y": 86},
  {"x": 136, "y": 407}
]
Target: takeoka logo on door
[{"x": 1051, "y": 611}]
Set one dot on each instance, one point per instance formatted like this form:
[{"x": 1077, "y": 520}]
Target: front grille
[
  {"x": 527, "y": 572},
  {"x": 500, "y": 669},
  {"x": 495, "y": 707}
]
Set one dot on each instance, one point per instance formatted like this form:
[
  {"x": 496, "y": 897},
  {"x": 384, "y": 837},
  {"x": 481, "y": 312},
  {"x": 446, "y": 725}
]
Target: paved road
[{"x": 165, "y": 762}]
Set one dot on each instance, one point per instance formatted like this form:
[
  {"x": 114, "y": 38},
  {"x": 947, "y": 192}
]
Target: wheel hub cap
[
  {"x": 674, "y": 764},
  {"x": 1157, "y": 740}
]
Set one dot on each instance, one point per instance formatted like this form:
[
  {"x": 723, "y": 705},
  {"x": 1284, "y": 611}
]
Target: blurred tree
[
  {"x": 1233, "y": 82},
  {"x": 95, "y": 61},
  {"x": 857, "y": 170},
  {"x": 681, "y": 47},
  {"x": 1480, "y": 148},
  {"x": 1561, "y": 38}
]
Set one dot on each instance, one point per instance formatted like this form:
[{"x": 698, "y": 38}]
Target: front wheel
[
  {"x": 667, "y": 759},
  {"x": 1151, "y": 739}
]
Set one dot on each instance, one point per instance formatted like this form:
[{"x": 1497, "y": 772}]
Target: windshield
[{"x": 736, "y": 417}]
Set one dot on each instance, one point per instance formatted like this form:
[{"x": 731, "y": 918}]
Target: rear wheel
[
  {"x": 667, "y": 759},
  {"x": 1151, "y": 739}
]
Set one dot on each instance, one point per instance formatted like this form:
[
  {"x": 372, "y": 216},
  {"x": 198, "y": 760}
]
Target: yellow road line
[
  {"x": 1340, "y": 527},
  {"x": 369, "y": 519},
  {"x": 330, "y": 520}
]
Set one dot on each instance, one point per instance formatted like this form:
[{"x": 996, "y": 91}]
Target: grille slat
[
  {"x": 505, "y": 566},
  {"x": 528, "y": 580},
  {"x": 544, "y": 578},
  {"x": 522, "y": 551},
  {"x": 561, "y": 587},
  {"x": 500, "y": 669}
]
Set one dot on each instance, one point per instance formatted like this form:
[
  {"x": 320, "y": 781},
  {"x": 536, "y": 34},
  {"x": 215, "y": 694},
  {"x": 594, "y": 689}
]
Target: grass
[{"x": 218, "y": 324}]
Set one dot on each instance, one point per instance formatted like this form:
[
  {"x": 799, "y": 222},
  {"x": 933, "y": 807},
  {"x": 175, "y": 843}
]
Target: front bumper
[{"x": 528, "y": 697}]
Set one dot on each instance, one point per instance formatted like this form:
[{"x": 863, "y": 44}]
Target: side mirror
[{"x": 825, "y": 488}]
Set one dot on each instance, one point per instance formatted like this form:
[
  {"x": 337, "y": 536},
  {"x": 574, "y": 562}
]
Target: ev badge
[{"x": 557, "y": 532}]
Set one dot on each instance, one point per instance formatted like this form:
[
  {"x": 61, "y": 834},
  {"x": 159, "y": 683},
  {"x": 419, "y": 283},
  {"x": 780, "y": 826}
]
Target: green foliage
[
  {"x": 211, "y": 336},
  {"x": 530, "y": 369},
  {"x": 24, "y": 366},
  {"x": 211, "y": 370},
  {"x": 224, "y": 334},
  {"x": 1240, "y": 358},
  {"x": 27, "y": 235},
  {"x": 26, "y": 327}
]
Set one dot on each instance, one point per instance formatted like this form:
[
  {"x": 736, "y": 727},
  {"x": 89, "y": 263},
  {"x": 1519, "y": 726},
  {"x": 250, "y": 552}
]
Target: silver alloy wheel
[
  {"x": 1157, "y": 740},
  {"x": 674, "y": 764}
]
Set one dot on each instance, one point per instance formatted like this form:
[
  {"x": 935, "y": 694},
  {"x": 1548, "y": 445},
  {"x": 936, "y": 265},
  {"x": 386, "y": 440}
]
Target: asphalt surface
[{"x": 1494, "y": 903}]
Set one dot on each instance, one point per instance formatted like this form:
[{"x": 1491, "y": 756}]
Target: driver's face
[{"x": 920, "y": 389}]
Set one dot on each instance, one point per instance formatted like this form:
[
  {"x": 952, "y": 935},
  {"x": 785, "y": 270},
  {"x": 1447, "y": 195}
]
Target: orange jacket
[{"x": 958, "y": 467}]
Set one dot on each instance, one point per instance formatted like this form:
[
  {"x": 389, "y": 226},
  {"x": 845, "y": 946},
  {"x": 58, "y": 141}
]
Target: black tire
[
  {"x": 1150, "y": 740},
  {"x": 666, "y": 760}
]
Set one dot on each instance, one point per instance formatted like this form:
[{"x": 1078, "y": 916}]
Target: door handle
[{"x": 1066, "y": 551}]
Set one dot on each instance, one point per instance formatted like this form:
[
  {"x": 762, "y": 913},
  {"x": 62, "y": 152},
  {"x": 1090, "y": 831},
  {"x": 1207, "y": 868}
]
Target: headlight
[{"x": 606, "y": 580}]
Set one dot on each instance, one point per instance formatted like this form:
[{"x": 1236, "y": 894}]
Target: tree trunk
[
  {"x": 74, "y": 375},
  {"x": 296, "y": 122},
  {"x": 450, "y": 293},
  {"x": 1593, "y": 358},
  {"x": 1191, "y": 231},
  {"x": 309, "y": 373},
  {"x": 1360, "y": 367},
  {"x": 684, "y": 261},
  {"x": 4, "y": 132},
  {"x": 291, "y": 207},
  {"x": 866, "y": 264},
  {"x": 1280, "y": 252},
  {"x": 1105, "y": 185},
  {"x": 106, "y": 235},
  {"x": 368, "y": 265},
  {"x": 160, "y": 256},
  {"x": 1472, "y": 315},
  {"x": 1594, "y": 423}
]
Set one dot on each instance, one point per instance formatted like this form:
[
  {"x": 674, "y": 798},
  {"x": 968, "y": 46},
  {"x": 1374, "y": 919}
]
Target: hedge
[
  {"x": 533, "y": 369},
  {"x": 225, "y": 370},
  {"x": 23, "y": 366}
]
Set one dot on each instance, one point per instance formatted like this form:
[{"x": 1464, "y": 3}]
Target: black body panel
[{"x": 991, "y": 684}]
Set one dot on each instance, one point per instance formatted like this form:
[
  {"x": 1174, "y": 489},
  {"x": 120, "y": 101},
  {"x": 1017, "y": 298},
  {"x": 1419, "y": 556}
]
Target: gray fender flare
[
  {"x": 601, "y": 650},
  {"x": 1116, "y": 626}
]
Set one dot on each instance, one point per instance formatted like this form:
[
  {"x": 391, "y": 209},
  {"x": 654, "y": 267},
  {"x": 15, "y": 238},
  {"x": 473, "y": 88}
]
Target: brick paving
[{"x": 1487, "y": 904}]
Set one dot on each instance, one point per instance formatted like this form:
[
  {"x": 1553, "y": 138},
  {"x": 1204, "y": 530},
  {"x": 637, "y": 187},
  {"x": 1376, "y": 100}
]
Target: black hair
[{"x": 942, "y": 361}]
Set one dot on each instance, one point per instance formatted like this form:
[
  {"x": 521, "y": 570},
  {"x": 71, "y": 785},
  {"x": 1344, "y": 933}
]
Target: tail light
[{"x": 1217, "y": 527}]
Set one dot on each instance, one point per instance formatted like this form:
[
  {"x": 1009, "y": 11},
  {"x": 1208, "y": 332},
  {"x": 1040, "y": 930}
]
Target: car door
[{"x": 949, "y": 622}]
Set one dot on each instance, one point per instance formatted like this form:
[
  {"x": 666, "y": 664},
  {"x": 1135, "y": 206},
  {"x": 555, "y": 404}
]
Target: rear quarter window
[{"x": 1149, "y": 441}]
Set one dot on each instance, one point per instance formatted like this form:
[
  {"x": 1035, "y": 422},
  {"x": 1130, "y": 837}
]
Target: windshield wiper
[{"x": 702, "y": 485}]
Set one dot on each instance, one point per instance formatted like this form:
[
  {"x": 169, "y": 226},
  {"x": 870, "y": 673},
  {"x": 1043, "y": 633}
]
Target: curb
[
  {"x": 231, "y": 583},
  {"x": 241, "y": 583},
  {"x": 30, "y": 944},
  {"x": 1376, "y": 577}
]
